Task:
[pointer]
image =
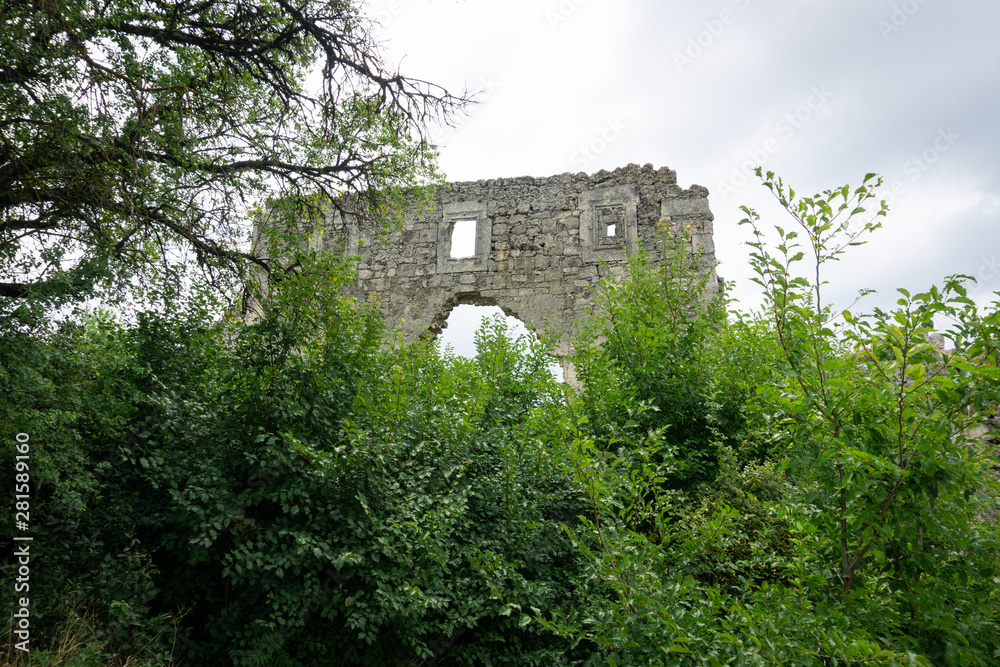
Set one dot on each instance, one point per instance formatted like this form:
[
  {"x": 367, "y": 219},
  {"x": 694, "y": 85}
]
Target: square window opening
[
  {"x": 463, "y": 239},
  {"x": 611, "y": 230}
]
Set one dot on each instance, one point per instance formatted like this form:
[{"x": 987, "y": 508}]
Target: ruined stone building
[{"x": 537, "y": 247}]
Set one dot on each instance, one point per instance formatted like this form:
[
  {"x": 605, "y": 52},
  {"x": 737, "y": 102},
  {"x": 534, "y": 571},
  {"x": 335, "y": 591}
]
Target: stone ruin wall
[{"x": 542, "y": 246}]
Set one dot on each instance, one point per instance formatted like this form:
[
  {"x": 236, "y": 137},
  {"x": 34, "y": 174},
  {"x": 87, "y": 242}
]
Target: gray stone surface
[{"x": 542, "y": 246}]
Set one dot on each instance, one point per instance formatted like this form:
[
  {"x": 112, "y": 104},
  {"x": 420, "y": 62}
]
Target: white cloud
[{"x": 560, "y": 84}]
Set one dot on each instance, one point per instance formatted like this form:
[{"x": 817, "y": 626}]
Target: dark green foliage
[
  {"x": 77, "y": 390},
  {"x": 299, "y": 491},
  {"x": 664, "y": 347},
  {"x": 294, "y": 492},
  {"x": 872, "y": 542}
]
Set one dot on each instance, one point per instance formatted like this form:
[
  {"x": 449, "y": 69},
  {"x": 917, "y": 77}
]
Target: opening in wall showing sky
[{"x": 463, "y": 322}]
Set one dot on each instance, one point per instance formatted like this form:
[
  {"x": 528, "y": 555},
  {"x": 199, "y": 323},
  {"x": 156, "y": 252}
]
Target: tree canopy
[{"x": 132, "y": 130}]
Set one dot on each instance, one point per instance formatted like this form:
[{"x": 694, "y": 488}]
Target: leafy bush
[
  {"x": 869, "y": 543},
  {"x": 795, "y": 487},
  {"x": 294, "y": 491},
  {"x": 657, "y": 340}
]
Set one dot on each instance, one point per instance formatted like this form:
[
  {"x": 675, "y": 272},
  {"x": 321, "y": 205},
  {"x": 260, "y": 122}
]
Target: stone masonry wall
[{"x": 542, "y": 246}]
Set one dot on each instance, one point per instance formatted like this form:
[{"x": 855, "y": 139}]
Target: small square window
[
  {"x": 608, "y": 218},
  {"x": 464, "y": 235},
  {"x": 463, "y": 239}
]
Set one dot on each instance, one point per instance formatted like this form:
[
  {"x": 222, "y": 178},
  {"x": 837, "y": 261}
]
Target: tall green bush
[
  {"x": 872, "y": 543},
  {"x": 874, "y": 420},
  {"x": 657, "y": 340},
  {"x": 297, "y": 491}
]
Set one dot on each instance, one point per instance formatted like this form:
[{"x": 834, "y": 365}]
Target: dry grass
[{"x": 76, "y": 645}]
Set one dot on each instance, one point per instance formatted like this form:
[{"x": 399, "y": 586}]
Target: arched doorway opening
[{"x": 458, "y": 329}]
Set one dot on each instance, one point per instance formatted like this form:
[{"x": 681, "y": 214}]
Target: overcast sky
[{"x": 819, "y": 91}]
